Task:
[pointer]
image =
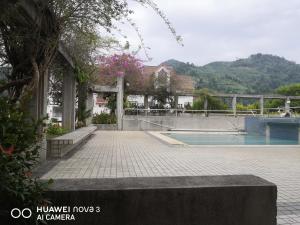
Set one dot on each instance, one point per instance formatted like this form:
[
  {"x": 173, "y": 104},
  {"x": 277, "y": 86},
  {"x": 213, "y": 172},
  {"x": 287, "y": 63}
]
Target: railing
[
  {"x": 182, "y": 112},
  {"x": 275, "y": 112},
  {"x": 268, "y": 112},
  {"x": 156, "y": 124}
]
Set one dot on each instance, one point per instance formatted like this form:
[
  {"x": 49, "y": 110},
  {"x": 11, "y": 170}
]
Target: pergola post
[
  {"x": 146, "y": 104},
  {"x": 176, "y": 104},
  {"x": 287, "y": 104},
  {"x": 234, "y": 100},
  {"x": 205, "y": 106},
  {"x": 69, "y": 95},
  {"x": 261, "y": 103},
  {"x": 120, "y": 96},
  {"x": 268, "y": 134},
  {"x": 90, "y": 106}
]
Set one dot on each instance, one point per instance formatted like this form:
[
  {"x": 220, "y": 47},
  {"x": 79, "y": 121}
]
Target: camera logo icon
[{"x": 24, "y": 213}]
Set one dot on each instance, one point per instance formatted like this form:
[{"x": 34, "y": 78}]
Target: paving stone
[{"x": 113, "y": 154}]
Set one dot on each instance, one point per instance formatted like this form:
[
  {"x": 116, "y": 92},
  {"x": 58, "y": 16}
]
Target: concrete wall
[
  {"x": 211, "y": 200},
  {"x": 183, "y": 122},
  {"x": 274, "y": 128},
  {"x": 106, "y": 126}
]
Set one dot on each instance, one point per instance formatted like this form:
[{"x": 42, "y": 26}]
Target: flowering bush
[
  {"x": 54, "y": 129},
  {"x": 18, "y": 155},
  {"x": 120, "y": 65},
  {"x": 104, "y": 118}
]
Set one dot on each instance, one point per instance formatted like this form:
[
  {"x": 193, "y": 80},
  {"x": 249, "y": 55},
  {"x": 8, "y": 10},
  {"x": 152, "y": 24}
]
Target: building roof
[
  {"x": 185, "y": 83},
  {"x": 144, "y": 84}
]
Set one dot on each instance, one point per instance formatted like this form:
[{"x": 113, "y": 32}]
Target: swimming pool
[{"x": 228, "y": 139}]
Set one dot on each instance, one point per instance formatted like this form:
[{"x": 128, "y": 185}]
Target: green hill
[{"x": 258, "y": 74}]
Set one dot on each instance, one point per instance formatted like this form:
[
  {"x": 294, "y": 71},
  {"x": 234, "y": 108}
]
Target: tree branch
[{"x": 14, "y": 83}]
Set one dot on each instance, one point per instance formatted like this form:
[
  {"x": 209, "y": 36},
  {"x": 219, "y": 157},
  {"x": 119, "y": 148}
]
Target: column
[
  {"x": 146, "y": 104},
  {"x": 69, "y": 101},
  {"x": 298, "y": 136},
  {"x": 90, "y": 106},
  {"x": 234, "y": 104},
  {"x": 287, "y": 104},
  {"x": 268, "y": 134},
  {"x": 261, "y": 103},
  {"x": 120, "y": 85},
  {"x": 176, "y": 104},
  {"x": 205, "y": 107},
  {"x": 38, "y": 110}
]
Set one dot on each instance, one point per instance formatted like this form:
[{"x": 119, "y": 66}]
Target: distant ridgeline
[{"x": 258, "y": 74}]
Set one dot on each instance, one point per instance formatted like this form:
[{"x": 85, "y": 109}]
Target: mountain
[{"x": 257, "y": 74}]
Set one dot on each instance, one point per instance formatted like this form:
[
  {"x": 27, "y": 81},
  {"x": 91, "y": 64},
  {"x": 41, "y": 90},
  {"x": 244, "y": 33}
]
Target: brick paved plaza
[{"x": 114, "y": 154}]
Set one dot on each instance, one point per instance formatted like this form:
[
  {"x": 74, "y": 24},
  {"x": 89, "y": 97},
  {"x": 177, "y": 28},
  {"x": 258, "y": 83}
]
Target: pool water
[{"x": 228, "y": 139}]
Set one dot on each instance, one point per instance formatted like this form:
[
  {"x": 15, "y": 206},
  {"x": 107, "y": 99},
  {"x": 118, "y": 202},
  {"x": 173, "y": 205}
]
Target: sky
[{"x": 218, "y": 30}]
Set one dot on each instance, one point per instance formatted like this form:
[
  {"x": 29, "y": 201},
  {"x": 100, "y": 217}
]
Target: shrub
[
  {"x": 19, "y": 153},
  {"x": 104, "y": 118},
  {"x": 54, "y": 129},
  {"x": 213, "y": 104},
  {"x": 249, "y": 107}
]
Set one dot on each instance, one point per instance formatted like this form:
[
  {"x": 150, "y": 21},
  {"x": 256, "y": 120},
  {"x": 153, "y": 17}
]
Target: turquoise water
[{"x": 228, "y": 139}]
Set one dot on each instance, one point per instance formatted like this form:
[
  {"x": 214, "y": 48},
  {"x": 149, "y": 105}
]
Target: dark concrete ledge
[
  {"x": 208, "y": 200},
  {"x": 158, "y": 182}
]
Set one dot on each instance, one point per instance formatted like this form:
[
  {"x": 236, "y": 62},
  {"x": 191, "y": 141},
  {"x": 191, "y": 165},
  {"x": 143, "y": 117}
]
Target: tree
[
  {"x": 29, "y": 45},
  {"x": 123, "y": 65},
  {"x": 289, "y": 90},
  {"x": 31, "y": 32},
  {"x": 212, "y": 102}
]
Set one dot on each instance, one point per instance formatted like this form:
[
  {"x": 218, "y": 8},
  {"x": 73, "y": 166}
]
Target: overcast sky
[{"x": 220, "y": 30}]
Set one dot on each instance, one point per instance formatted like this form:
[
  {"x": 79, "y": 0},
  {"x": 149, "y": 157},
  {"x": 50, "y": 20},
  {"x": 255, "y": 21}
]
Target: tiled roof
[
  {"x": 145, "y": 84},
  {"x": 185, "y": 83}
]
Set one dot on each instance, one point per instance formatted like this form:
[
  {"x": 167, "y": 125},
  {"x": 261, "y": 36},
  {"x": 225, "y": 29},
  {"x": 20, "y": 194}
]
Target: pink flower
[
  {"x": 120, "y": 74},
  {"x": 8, "y": 151},
  {"x": 120, "y": 65}
]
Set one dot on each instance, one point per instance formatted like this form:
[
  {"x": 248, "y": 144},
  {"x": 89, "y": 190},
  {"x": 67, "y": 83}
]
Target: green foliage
[
  {"x": 112, "y": 103},
  {"x": 258, "y": 74},
  {"x": 83, "y": 114},
  {"x": 242, "y": 107},
  {"x": 81, "y": 76},
  {"x": 18, "y": 155},
  {"x": 162, "y": 96},
  {"x": 274, "y": 103},
  {"x": 104, "y": 118},
  {"x": 54, "y": 130},
  {"x": 289, "y": 90},
  {"x": 212, "y": 102}
]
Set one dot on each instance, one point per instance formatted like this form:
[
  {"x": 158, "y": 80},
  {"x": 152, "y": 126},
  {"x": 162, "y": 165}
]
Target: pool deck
[{"x": 113, "y": 154}]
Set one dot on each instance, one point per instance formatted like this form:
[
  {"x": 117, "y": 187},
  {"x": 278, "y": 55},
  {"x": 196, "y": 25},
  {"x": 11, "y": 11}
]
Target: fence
[{"x": 268, "y": 112}]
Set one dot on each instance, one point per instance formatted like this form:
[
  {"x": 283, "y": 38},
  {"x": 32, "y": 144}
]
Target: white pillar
[
  {"x": 90, "y": 106},
  {"x": 205, "y": 106},
  {"x": 176, "y": 103},
  {"x": 120, "y": 96},
  {"x": 234, "y": 104},
  {"x": 268, "y": 134},
  {"x": 261, "y": 103},
  {"x": 146, "y": 104},
  {"x": 69, "y": 101},
  {"x": 287, "y": 104}
]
